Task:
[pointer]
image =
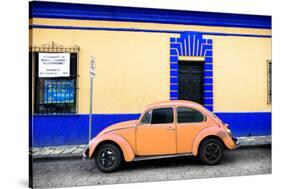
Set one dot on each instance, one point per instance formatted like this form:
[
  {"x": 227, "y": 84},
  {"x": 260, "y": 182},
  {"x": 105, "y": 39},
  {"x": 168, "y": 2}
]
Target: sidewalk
[{"x": 76, "y": 150}]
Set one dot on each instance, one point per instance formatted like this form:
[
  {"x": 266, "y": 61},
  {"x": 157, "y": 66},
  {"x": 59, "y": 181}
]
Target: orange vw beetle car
[{"x": 165, "y": 129}]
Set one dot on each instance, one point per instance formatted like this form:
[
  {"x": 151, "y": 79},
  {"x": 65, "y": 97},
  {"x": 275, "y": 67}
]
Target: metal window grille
[
  {"x": 55, "y": 95},
  {"x": 269, "y": 81}
]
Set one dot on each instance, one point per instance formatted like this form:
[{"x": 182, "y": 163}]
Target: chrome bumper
[
  {"x": 85, "y": 155},
  {"x": 236, "y": 141}
]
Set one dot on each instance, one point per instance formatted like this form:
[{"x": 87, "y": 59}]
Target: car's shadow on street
[
  {"x": 174, "y": 162},
  {"x": 160, "y": 163}
]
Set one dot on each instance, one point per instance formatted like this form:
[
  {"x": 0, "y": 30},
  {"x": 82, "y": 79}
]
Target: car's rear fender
[
  {"x": 213, "y": 131},
  {"x": 111, "y": 137}
]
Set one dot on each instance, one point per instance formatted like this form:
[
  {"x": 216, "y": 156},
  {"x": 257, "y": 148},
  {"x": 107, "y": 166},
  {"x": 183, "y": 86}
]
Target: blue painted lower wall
[
  {"x": 248, "y": 124},
  {"x": 73, "y": 129}
]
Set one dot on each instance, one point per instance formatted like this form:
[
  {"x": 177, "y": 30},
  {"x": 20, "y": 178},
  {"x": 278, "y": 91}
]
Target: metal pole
[{"x": 91, "y": 110}]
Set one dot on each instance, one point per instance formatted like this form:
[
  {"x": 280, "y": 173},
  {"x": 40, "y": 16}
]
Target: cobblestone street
[{"x": 75, "y": 172}]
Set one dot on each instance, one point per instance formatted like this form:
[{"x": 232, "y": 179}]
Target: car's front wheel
[
  {"x": 108, "y": 157},
  {"x": 211, "y": 151}
]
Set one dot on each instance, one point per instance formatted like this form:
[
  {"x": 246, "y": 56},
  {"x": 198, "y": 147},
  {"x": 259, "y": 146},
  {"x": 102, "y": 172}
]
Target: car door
[
  {"x": 156, "y": 134},
  {"x": 190, "y": 122}
]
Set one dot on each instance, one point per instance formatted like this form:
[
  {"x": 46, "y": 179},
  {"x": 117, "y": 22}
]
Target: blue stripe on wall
[
  {"x": 208, "y": 94},
  {"x": 208, "y": 66},
  {"x": 173, "y": 59},
  {"x": 208, "y": 101},
  {"x": 208, "y": 87},
  {"x": 208, "y": 59},
  {"x": 73, "y": 129},
  {"x": 172, "y": 39},
  {"x": 209, "y": 53},
  {"x": 209, "y": 41},
  {"x": 173, "y": 80},
  {"x": 174, "y": 94},
  {"x": 209, "y": 107},
  {"x": 208, "y": 80},
  {"x": 174, "y": 66},
  {"x": 245, "y": 124},
  {"x": 143, "y": 30},
  {"x": 174, "y": 73},
  {"x": 208, "y": 74},
  {"x": 173, "y": 52},
  {"x": 150, "y": 15},
  {"x": 174, "y": 87}
]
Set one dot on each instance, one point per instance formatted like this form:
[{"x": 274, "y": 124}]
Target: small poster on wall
[
  {"x": 59, "y": 91},
  {"x": 54, "y": 64}
]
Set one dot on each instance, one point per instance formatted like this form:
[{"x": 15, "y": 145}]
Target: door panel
[
  {"x": 157, "y": 135},
  {"x": 189, "y": 123},
  {"x": 191, "y": 81},
  {"x": 156, "y": 139}
]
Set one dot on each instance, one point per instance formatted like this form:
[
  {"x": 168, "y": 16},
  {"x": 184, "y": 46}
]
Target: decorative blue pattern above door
[{"x": 192, "y": 44}]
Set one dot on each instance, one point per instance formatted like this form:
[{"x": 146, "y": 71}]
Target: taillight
[{"x": 228, "y": 131}]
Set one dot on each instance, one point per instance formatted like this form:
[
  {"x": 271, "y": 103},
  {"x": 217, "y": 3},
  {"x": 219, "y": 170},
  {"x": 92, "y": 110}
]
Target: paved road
[{"x": 75, "y": 172}]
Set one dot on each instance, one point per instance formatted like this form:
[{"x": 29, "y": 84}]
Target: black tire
[
  {"x": 108, "y": 158},
  {"x": 211, "y": 151}
]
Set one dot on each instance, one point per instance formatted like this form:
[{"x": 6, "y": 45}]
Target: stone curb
[{"x": 75, "y": 151}]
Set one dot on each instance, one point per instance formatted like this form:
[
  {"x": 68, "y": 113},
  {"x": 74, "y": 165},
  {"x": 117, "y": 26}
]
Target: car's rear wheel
[
  {"x": 108, "y": 157},
  {"x": 211, "y": 151}
]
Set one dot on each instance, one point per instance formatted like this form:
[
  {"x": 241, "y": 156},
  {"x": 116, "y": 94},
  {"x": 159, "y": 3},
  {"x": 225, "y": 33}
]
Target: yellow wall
[
  {"x": 133, "y": 67},
  {"x": 240, "y": 73}
]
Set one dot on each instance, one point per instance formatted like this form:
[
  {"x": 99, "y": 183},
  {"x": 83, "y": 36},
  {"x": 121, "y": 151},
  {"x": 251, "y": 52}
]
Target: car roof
[{"x": 175, "y": 103}]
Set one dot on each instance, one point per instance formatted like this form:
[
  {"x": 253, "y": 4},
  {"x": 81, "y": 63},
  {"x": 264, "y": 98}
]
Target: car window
[
  {"x": 146, "y": 118},
  {"x": 162, "y": 115},
  {"x": 189, "y": 115}
]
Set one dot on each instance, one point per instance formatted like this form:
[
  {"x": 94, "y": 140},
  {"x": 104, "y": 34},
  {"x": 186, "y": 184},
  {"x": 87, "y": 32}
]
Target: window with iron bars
[
  {"x": 269, "y": 81},
  {"x": 54, "y": 95}
]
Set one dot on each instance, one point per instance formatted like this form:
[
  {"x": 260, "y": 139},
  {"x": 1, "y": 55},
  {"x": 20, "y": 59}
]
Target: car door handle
[{"x": 171, "y": 128}]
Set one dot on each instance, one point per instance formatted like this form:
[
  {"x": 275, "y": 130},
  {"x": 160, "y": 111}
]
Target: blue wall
[
  {"x": 73, "y": 129},
  {"x": 248, "y": 124},
  {"x": 78, "y": 11}
]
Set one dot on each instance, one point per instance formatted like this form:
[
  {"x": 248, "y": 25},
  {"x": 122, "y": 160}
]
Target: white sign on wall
[
  {"x": 54, "y": 64},
  {"x": 93, "y": 67}
]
